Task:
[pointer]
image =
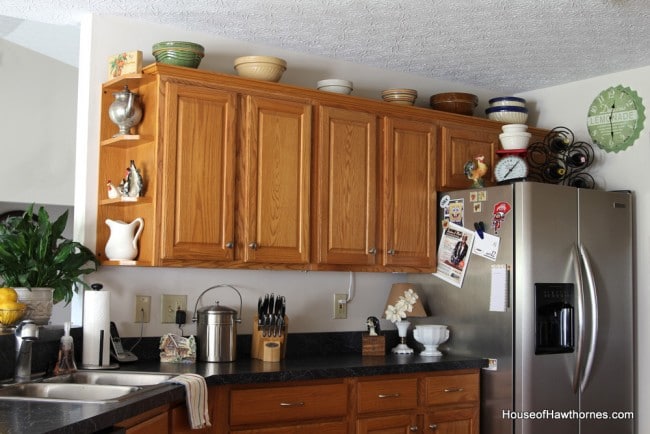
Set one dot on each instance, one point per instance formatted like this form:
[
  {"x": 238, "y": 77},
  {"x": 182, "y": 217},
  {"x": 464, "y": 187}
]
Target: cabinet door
[
  {"x": 458, "y": 421},
  {"x": 198, "y": 180},
  {"x": 276, "y": 177},
  {"x": 409, "y": 209},
  {"x": 320, "y": 428},
  {"x": 459, "y": 144},
  {"x": 347, "y": 212},
  {"x": 396, "y": 424}
]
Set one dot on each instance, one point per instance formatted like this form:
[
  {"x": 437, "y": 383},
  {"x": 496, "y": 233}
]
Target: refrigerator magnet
[{"x": 501, "y": 210}]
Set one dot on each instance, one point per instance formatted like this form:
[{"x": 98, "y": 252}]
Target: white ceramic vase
[{"x": 431, "y": 335}]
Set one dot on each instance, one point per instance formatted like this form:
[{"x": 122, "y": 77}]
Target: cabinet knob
[
  {"x": 433, "y": 427},
  {"x": 372, "y": 251},
  {"x": 413, "y": 428},
  {"x": 230, "y": 245},
  {"x": 391, "y": 252},
  {"x": 253, "y": 245}
]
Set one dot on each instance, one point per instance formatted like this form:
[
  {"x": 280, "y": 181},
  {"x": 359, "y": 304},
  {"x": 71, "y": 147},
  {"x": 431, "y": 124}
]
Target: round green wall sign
[{"x": 615, "y": 118}]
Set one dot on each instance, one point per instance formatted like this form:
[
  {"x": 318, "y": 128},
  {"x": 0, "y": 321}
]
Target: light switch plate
[{"x": 169, "y": 305}]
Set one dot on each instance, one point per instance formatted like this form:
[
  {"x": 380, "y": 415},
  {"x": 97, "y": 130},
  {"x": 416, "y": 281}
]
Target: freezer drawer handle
[
  {"x": 292, "y": 404},
  {"x": 388, "y": 395},
  {"x": 454, "y": 389}
]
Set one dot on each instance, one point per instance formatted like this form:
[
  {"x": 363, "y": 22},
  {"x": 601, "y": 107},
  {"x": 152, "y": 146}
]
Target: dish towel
[{"x": 196, "y": 398}]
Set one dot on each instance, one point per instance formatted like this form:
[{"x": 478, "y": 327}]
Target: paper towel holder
[{"x": 102, "y": 335}]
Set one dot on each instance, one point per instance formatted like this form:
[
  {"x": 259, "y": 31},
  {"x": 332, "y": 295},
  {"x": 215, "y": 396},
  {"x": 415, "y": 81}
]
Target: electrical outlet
[
  {"x": 170, "y": 304},
  {"x": 142, "y": 308},
  {"x": 340, "y": 306}
]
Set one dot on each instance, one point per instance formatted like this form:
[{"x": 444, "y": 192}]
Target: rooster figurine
[{"x": 475, "y": 170}]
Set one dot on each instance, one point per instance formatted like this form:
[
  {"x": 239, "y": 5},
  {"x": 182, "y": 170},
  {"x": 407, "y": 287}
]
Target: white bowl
[
  {"x": 335, "y": 85},
  {"x": 508, "y": 114},
  {"x": 431, "y": 335},
  {"x": 514, "y": 128},
  {"x": 516, "y": 140},
  {"x": 266, "y": 68},
  {"x": 507, "y": 101}
]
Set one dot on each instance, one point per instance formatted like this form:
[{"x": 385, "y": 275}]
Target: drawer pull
[
  {"x": 388, "y": 395},
  {"x": 433, "y": 427},
  {"x": 292, "y": 404},
  {"x": 413, "y": 428},
  {"x": 454, "y": 389}
]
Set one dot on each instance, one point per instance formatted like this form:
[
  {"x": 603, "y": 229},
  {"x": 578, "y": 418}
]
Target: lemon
[{"x": 8, "y": 294}]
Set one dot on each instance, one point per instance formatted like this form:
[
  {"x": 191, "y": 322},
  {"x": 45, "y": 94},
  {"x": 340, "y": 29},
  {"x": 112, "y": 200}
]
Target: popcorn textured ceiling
[{"x": 517, "y": 45}]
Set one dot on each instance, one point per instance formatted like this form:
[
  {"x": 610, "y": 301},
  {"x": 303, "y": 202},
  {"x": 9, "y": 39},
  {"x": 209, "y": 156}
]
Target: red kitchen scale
[{"x": 511, "y": 167}]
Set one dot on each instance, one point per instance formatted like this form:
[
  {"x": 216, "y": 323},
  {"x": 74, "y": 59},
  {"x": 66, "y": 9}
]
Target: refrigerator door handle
[
  {"x": 593, "y": 299},
  {"x": 580, "y": 301}
]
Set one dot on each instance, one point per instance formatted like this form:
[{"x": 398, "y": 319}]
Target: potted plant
[{"x": 35, "y": 254}]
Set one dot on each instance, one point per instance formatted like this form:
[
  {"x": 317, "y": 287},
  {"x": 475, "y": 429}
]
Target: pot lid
[{"x": 216, "y": 309}]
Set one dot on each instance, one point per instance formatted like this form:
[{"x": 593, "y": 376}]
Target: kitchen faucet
[{"x": 26, "y": 334}]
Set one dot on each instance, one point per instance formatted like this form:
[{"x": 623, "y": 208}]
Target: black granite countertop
[{"x": 47, "y": 417}]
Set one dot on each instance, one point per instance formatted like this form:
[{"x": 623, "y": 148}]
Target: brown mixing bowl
[{"x": 454, "y": 102}]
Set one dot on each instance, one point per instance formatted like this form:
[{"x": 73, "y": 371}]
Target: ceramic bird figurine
[
  {"x": 113, "y": 192},
  {"x": 475, "y": 170},
  {"x": 135, "y": 181}
]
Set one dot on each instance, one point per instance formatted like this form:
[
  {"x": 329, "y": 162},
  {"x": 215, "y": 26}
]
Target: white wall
[
  {"x": 37, "y": 121},
  {"x": 626, "y": 170}
]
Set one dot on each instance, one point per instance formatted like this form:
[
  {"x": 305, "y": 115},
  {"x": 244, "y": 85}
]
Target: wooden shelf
[
  {"x": 126, "y": 140},
  {"x": 126, "y": 201},
  {"x": 117, "y": 83}
]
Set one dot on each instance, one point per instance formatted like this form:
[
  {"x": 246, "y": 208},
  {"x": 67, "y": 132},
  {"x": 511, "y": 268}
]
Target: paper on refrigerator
[{"x": 453, "y": 253}]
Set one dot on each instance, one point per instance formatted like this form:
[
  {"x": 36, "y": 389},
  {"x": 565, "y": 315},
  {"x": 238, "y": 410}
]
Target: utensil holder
[{"x": 267, "y": 347}]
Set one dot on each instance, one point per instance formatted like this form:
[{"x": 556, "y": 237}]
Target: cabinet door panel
[
  {"x": 397, "y": 424},
  {"x": 460, "y": 421},
  {"x": 409, "y": 193},
  {"x": 277, "y": 147},
  {"x": 198, "y": 182},
  {"x": 460, "y": 143},
  {"x": 347, "y": 187}
]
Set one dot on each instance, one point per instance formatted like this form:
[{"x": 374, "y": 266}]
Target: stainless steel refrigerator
[{"x": 562, "y": 343}]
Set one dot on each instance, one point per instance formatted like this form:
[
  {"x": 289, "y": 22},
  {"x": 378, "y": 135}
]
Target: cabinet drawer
[
  {"x": 451, "y": 389},
  {"x": 383, "y": 395},
  {"x": 283, "y": 404}
]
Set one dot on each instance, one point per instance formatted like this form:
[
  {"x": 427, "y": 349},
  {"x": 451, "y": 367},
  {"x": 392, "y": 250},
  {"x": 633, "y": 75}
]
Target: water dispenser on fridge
[{"x": 554, "y": 330}]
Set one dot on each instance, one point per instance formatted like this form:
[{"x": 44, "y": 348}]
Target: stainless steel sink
[
  {"x": 70, "y": 392},
  {"x": 113, "y": 378},
  {"x": 85, "y": 386}
]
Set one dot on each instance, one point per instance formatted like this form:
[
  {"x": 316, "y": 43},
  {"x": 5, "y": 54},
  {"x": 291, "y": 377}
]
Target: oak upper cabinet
[
  {"x": 346, "y": 185},
  {"x": 461, "y": 142},
  {"x": 199, "y": 172},
  {"x": 276, "y": 176},
  {"x": 409, "y": 193}
]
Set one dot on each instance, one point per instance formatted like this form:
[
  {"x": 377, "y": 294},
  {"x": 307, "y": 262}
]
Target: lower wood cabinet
[
  {"x": 428, "y": 402},
  {"x": 152, "y": 421}
]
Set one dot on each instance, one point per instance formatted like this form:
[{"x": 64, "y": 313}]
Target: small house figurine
[{"x": 177, "y": 349}]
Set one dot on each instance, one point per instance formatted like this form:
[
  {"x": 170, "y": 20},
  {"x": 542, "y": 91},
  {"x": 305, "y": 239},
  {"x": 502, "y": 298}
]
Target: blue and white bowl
[
  {"x": 508, "y": 114},
  {"x": 507, "y": 101}
]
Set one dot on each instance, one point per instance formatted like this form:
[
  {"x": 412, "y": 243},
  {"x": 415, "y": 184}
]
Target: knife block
[{"x": 269, "y": 348}]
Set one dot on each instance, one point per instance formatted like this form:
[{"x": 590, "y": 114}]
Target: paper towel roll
[{"x": 96, "y": 329}]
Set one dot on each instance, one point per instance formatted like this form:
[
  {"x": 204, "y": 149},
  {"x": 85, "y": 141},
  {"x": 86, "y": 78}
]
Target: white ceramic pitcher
[{"x": 123, "y": 241}]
